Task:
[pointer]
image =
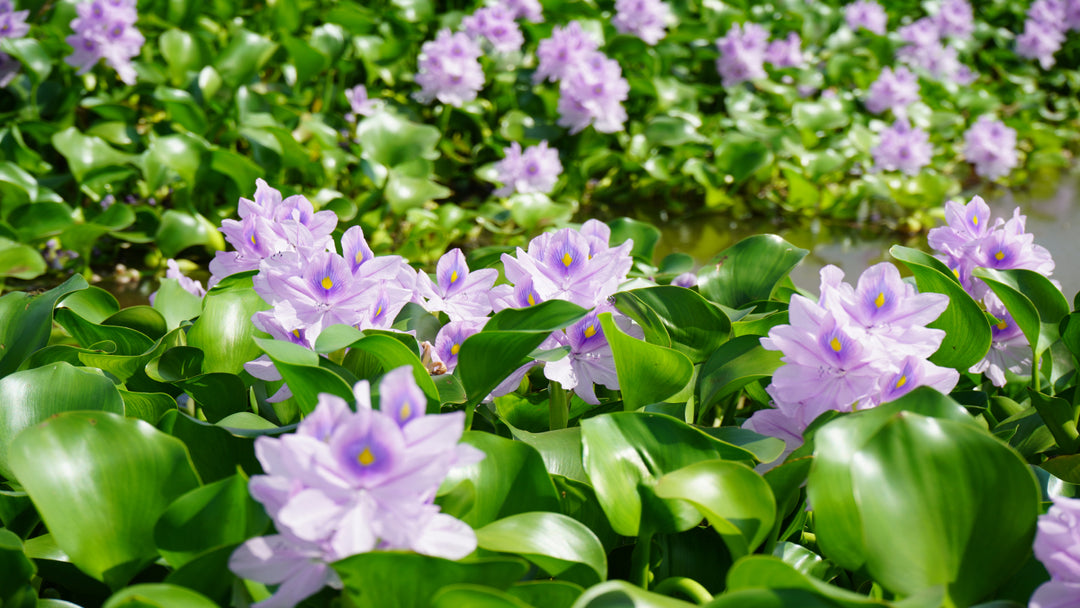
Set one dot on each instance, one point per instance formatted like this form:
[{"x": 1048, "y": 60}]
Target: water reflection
[{"x": 1051, "y": 208}]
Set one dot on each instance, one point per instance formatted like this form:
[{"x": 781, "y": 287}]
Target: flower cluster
[
  {"x": 855, "y": 348},
  {"x": 903, "y": 148},
  {"x": 496, "y": 25},
  {"x": 646, "y": 19},
  {"x": 991, "y": 147},
  {"x": 449, "y": 69},
  {"x": 529, "y": 10},
  {"x": 866, "y": 14},
  {"x": 1057, "y": 546},
  {"x": 893, "y": 90},
  {"x": 349, "y": 482},
  {"x": 536, "y": 169},
  {"x": 927, "y": 50},
  {"x": 746, "y": 48},
  {"x": 1044, "y": 30},
  {"x": 971, "y": 240},
  {"x": 105, "y": 29}
]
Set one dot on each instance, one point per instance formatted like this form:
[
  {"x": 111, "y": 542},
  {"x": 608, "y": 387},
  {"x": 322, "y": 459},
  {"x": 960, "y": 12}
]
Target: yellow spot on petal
[
  {"x": 454, "y": 349},
  {"x": 956, "y": 272},
  {"x": 359, "y": 257},
  {"x": 975, "y": 220},
  {"x": 1000, "y": 255},
  {"x": 567, "y": 259},
  {"x": 532, "y": 300},
  {"x": 835, "y": 344},
  {"x": 901, "y": 382},
  {"x": 296, "y": 332},
  {"x": 590, "y": 331},
  {"x": 327, "y": 283},
  {"x": 1002, "y": 325},
  {"x": 366, "y": 457},
  {"x": 378, "y": 311},
  {"x": 253, "y": 239},
  {"x": 879, "y": 301},
  {"x": 406, "y": 409},
  {"x": 453, "y": 276}
]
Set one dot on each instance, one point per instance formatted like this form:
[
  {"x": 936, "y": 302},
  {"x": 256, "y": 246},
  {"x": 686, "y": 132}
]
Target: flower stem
[
  {"x": 639, "y": 559},
  {"x": 558, "y": 406},
  {"x": 681, "y": 586}
]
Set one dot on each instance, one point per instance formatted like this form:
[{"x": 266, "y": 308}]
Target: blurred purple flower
[
  {"x": 893, "y": 90},
  {"x": 359, "y": 104},
  {"x": 786, "y": 53},
  {"x": 646, "y": 19},
  {"x": 537, "y": 169},
  {"x": 866, "y": 14},
  {"x": 563, "y": 52},
  {"x": 188, "y": 284},
  {"x": 1040, "y": 41},
  {"x": 460, "y": 293},
  {"x": 1072, "y": 14},
  {"x": 991, "y": 147},
  {"x": 938, "y": 60},
  {"x": 496, "y": 24},
  {"x": 921, "y": 32},
  {"x": 105, "y": 29},
  {"x": 1009, "y": 349},
  {"x": 529, "y": 10},
  {"x": 955, "y": 19},
  {"x": 1057, "y": 540},
  {"x": 686, "y": 279},
  {"x": 1056, "y": 594},
  {"x": 903, "y": 148},
  {"x": 449, "y": 69},
  {"x": 1049, "y": 13},
  {"x": 742, "y": 54},
  {"x": 592, "y": 94},
  {"x": 12, "y": 22}
]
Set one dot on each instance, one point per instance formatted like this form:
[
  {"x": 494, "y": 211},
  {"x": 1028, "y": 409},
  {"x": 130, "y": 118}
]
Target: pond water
[{"x": 1053, "y": 217}]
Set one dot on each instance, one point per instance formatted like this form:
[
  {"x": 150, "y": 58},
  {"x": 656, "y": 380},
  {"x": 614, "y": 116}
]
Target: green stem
[
  {"x": 558, "y": 406},
  {"x": 680, "y": 586},
  {"x": 1035, "y": 371},
  {"x": 639, "y": 559}
]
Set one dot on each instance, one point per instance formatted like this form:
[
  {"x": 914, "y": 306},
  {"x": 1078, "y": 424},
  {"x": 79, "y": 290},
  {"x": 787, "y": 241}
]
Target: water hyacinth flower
[
  {"x": 12, "y": 22},
  {"x": 449, "y": 69},
  {"x": 955, "y": 19},
  {"x": 592, "y": 94},
  {"x": 188, "y": 284},
  {"x": 349, "y": 482},
  {"x": 786, "y": 53},
  {"x": 566, "y": 49},
  {"x": 589, "y": 362},
  {"x": 686, "y": 279},
  {"x": 1072, "y": 14},
  {"x": 449, "y": 339},
  {"x": 359, "y": 104},
  {"x": 529, "y": 10},
  {"x": 105, "y": 29},
  {"x": 536, "y": 169},
  {"x": 991, "y": 147},
  {"x": 460, "y": 293},
  {"x": 742, "y": 54},
  {"x": 1057, "y": 546},
  {"x": 866, "y": 14},
  {"x": 893, "y": 90},
  {"x": 1040, "y": 41},
  {"x": 903, "y": 148},
  {"x": 646, "y": 19},
  {"x": 495, "y": 24},
  {"x": 1050, "y": 13}
]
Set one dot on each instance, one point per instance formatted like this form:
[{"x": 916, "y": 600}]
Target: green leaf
[
  {"x": 644, "y": 235},
  {"x": 647, "y": 373},
  {"x": 625, "y": 454},
  {"x": 34, "y": 395},
  {"x": 246, "y": 53},
  {"x": 735, "y": 364},
  {"x": 92, "y": 303},
  {"x": 1035, "y": 304},
  {"x": 738, "y": 157},
  {"x": 737, "y": 501},
  {"x": 621, "y": 594},
  {"x": 224, "y": 331},
  {"x": 511, "y": 479},
  {"x": 928, "y": 490},
  {"x": 1065, "y": 468},
  {"x": 303, "y": 373},
  {"x": 176, "y": 304},
  {"x": 30, "y": 53},
  {"x": 215, "y": 452},
  {"x": 560, "y": 449},
  {"x": 20, "y": 261},
  {"x": 404, "y": 192},
  {"x": 26, "y": 322},
  {"x": 825, "y": 114},
  {"x": 967, "y": 334},
  {"x": 16, "y": 570},
  {"x": 671, "y": 131},
  {"x": 212, "y": 516},
  {"x": 388, "y": 351},
  {"x": 127, "y": 341},
  {"x": 86, "y": 153},
  {"x": 408, "y": 580},
  {"x": 158, "y": 595},
  {"x": 182, "y": 52},
  {"x": 478, "y": 596},
  {"x": 1060, "y": 418},
  {"x": 544, "y": 317},
  {"x": 552, "y": 541},
  {"x": 179, "y": 230},
  {"x": 550, "y": 594},
  {"x": 771, "y": 573},
  {"x": 695, "y": 326},
  {"x": 391, "y": 140},
  {"x": 100, "y": 483},
  {"x": 748, "y": 271}
]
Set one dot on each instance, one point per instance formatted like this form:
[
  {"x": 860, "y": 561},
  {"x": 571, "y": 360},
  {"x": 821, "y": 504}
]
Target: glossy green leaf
[
  {"x": 1060, "y": 417},
  {"x": 158, "y": 595},
  {"x": 552, "y": 541},
  {"x": 100, "y": 482},
  {"x": 179, "y": 230},
  {"x": 827, "y": 113},
  {"x": 769, "y": 572},
  {"x": 214, "y": 450},
  {"x": 695, "y": 326},
  {"x": 392, "y": 140},
  {"x": 30, "y": 53},
  {"x": 20, "y": 261},
  {"x": 26, "y": 322},
  {"x": 126, "y": 341},
  {"x": 625, "y": 454},
  {"x": 748, "y": 271},
  {"x": 33, "y": 395},
  {"x": 735, "y": 364},
  {"x": 550, "y": 594},
  {"x": 928, "y": 490},
  {"x": 453, "y": 596},
  {"x": 738, "y": 157},
  {"x": 92, "y": 303},
  {"x": 182, "y": 52},
  {"x": 408, "y": 580},
  {"x": 224, "y": 331},
  {"x": 560, "y": 449},
  {"x": 511, "y": 479},
  {"x": 388, "y": 351},
  {"x": 544, "y": 317},
  {"x": 16, "y": 570},
  {"x": 647, "y": 373},
  {"x": 1035, "y": 304},
  {"x": 147, "y": 406},
  {"x": 621, "y": 594},
  {"x": 244, "y": 55},
  {"x": 303, "y": 373},
  {"x": 737, "y": 501},
  {"x": 967, "y": 333},
  {"x": 86, "y": 153},
  {"x": 644, "y": 235},
  {"x": 214, "y": 515}
]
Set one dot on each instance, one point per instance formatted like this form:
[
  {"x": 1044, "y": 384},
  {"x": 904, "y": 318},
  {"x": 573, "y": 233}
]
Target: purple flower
[
  {"x": 686, "y": 279},
  {"x": 566, "y": 49},
  {"x": 1040, "y": 41},
  {"x": 449, "y": 69},
  {"x": 448, "y": 341},
  {"x": 359, "y": 104},
  {"x": 742, "y": 54},
  {"x": 991, "y": 147},
  {"x": 529, "y": 10},
  {"x": 646, "y": 19},
  {"x": 534, "y": 170},
  {"x": 496, "y": 24},
  {"x": 1009, "y": 349},
  {"x": 893, "y": 90},
  {"x": 1072, "y": 14},
  {"x": 12, "y": 22},
  {"x": 592, "y": 94},
  {"x": 1012, "y": 247},
  {"x": 1056, "y": 594},
  {"x": 105, "y": 29},
  {"x": 960, "y": 239},
  {"x": 1057, "y": 540},
  {"x": 915, "y": 372},
  {"x": 786, "y": 53},
  {"x": 938, "y": 60},
  {"x": 866, "y": 14},
  {"x": 903, "y": 148},
  {"x": 589, "y": 362},
  {"x": 955, "y": 19},
  {"x": 189, "y": 285},
  {"x": 1049, "y": 13},
  {"x": 921, "y": 33},
  {"x": 460, "y": 293}
]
